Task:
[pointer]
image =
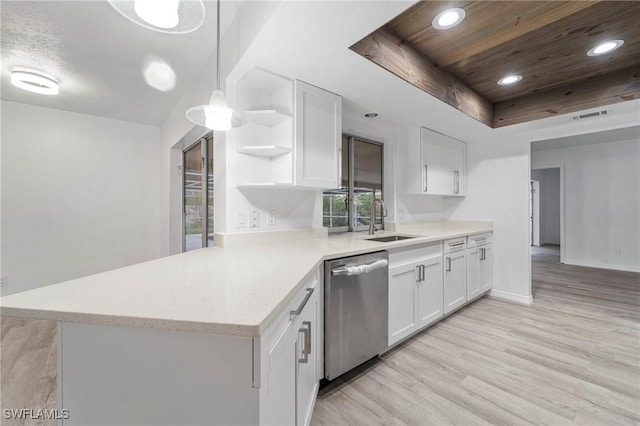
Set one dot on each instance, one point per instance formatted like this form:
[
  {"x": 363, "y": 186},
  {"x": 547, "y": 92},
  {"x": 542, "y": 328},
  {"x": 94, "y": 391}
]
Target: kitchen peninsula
[{"x": 193, "y": 337}]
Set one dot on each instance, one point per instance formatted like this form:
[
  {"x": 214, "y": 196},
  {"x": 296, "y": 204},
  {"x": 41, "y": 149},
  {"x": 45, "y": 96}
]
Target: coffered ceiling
[{"x": 546, "y": 42}]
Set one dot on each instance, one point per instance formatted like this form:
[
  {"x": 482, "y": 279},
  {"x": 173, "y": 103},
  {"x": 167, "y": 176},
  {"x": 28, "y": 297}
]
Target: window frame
[{"x": 351, "y": 199}]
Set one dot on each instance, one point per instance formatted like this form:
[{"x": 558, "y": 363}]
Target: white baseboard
[
  {"x": 512, "y": 297},
  {"x": 625, "y": 268}
]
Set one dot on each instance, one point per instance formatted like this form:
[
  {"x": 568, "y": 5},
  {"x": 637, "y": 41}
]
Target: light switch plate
[{"x": 241, "y": 220}]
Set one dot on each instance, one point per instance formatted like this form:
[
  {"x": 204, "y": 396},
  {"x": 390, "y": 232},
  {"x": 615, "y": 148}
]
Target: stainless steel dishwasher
[{"x": 356, "y": 311}]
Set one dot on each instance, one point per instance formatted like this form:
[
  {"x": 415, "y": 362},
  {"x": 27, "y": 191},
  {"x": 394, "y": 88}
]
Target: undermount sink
[{"x": 389, "y": 238}]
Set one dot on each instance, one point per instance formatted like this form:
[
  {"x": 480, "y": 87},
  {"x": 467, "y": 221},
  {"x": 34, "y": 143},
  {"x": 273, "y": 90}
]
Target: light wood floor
[{"x": 572, "y": 358}]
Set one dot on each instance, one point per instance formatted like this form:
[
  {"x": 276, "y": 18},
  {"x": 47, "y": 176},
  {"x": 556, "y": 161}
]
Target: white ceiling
[
  {"x": 97, "y": 56},
  {"x": 615, "y": 135}
]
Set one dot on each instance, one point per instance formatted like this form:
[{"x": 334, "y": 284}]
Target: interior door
[{"x": 197, "y": 166}]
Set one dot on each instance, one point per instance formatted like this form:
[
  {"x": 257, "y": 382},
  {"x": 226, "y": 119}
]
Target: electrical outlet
[
  {"x": 254, "y": 219},
  {"x": 618, "y": 251},
  {"x": 241, "y": 220},
  {"x": 271, "y": 220},
  {"x": 4, "y": 281}
]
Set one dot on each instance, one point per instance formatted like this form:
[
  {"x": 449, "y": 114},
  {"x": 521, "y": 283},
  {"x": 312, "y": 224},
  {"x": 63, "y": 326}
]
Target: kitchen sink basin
[{"x": 389, "y": 238}]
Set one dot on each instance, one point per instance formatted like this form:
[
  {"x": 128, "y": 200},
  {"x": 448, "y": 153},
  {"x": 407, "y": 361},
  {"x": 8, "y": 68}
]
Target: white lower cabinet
[
  {"x": 415, "y": 290},
  {"x": 294, "y": 353},
  {"x": 455, "y": 274},
  {"x": 486, "y": 268},
  {"x": 479, "y": 265},
  {"x": 473, "y": 272}
]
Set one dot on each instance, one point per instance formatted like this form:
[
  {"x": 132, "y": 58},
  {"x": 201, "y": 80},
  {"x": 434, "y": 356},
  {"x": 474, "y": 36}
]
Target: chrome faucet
[{"x": 372, "y": 225}]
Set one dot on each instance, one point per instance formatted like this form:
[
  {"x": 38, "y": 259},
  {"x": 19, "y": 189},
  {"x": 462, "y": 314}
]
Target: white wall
[
  {"x": 79, "y": 195},
  {"x": 602, "y": 202},
  {"x": 549, "y": 204},
  {"x": 177, "y": 130}
]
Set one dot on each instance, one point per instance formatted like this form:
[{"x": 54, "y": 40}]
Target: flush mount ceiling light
[
  {"x": 509, "y": 79},
  {"x": 216, "y": 115},
  {"x": 448, "y": 18},
  {"x": 166, "y": 16},
  {"x": 604, "y": 48},
  {"x": 159, "y": 75},
  {"x": 34, "y": 81}
]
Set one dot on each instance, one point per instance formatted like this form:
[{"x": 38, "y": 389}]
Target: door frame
[
  {"x": 535, "y": 212},
  {"x": 562, "y": 195}
]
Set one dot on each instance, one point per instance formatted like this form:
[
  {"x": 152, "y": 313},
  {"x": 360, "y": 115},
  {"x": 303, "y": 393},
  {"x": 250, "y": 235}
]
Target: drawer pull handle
[{"x": 302, "y": 305}]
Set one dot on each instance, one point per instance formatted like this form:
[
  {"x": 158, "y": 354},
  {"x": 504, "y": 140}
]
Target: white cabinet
[
  {"x": 293, "y": 134},
  {"x": 415, "y": 290},
  {"x": 318, "y": 136},
  {"x": 432, "y": 163},
  {"x": 479, "y": 265},
  {"x": 455, "y": 274},
  {"x": 295, "y": 352}
]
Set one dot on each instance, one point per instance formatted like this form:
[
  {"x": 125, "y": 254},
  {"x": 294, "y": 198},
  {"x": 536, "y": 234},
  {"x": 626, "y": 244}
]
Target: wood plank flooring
[{"x": 572, "y": 358}]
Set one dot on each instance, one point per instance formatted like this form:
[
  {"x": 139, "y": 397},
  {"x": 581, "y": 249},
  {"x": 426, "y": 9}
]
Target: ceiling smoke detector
[{"x": 590, "y": 115}]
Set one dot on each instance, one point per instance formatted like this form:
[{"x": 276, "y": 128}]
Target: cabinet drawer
[
  {"x": 455, "y": 244},
  {"x": 408, "y": 255},
  {"x": 478, "y": 240},
  {"x": 282, "y": 319}
]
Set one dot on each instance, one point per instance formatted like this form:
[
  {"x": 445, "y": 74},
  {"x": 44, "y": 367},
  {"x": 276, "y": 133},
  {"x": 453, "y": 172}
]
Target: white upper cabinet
[
  {"x": 432, "y": 163},
  {"x": 292, "y": 135},
  {"x": 318, "y": 136}
]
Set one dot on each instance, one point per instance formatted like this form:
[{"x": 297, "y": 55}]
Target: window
[
  {"x": 198, "y": 208},
  {"x": 362, "y": 178}
]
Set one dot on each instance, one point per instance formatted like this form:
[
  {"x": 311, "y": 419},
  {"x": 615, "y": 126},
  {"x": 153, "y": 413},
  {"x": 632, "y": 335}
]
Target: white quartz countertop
[{"x": 231, "y": 291}]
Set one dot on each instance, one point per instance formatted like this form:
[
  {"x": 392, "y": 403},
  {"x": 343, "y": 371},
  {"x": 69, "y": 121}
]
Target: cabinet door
[
  {"x": 318, "y": 136},
  {"x": 486, "y": 267},
  {"x": 281, "y": 394},
  {"x": 445, "y": 167},
  {"x": 473, "y": 272},
  {"x": 402, "y": 301},
  {"x": 455, "y": 280},
  {"x": 430, "y": 292},
  {"x": 459, "y": 168},
  {"x": 307, "y": 357},
  {"x": 429, "y": 153}
]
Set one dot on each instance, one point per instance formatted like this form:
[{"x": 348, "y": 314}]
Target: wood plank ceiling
[{"x": 544, "y": 41}]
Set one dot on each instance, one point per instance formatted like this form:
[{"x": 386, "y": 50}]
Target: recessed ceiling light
[
  {"x": 166, "y": 16},
  {"x": 371, "y": 115},
  {"x": 604, "y": 48},
  {"x": 159, "y": 75},
  {"x": 34, "y": 81},
  {"x": 448, "y": 18},
  {"x": 509, "y": 79}
]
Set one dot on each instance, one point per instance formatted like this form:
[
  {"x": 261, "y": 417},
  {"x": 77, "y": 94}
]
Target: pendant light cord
[{"x": 218, "y": 48}]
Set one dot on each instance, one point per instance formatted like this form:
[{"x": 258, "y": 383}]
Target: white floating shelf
[
  {"x": 267, "y": 117},
  {"x": 265, "y": 150}
]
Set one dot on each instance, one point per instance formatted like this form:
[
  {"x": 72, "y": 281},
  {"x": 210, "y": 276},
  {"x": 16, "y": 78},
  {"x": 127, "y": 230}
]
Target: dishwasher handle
[{"x": 360, "y": 269}]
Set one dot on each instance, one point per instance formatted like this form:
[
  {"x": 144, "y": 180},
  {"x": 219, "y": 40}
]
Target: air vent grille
[{"x": 590, "y": 114}]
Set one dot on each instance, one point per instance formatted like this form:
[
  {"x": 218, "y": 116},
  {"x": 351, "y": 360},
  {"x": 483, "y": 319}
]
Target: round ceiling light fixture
[
  {"x": 448, "y": 18},
  {"x": 165, "y": 16},
  {"x": 159, "y": 75},
  {"x": 509, "y": 79},
  {"x": 371, "y": 115},
  {"x": 604, "y": 48},
  {"x": 34, "y": 81}
]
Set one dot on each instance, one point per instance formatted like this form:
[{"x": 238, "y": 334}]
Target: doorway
[
  {"x": 547, "y": 210},
  {"x": 197, "y": 193}
]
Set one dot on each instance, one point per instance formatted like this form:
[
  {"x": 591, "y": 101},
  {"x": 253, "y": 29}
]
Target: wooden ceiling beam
[
  {"x": 612, "y": 88},
  {"x": 519, "y": 29},
  {"x": 385, "y": 48}
]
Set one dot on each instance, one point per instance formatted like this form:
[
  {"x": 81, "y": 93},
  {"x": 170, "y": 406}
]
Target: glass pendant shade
[
  {"x": 216, "y": 115},
  {"x": 166, "y": 16}
]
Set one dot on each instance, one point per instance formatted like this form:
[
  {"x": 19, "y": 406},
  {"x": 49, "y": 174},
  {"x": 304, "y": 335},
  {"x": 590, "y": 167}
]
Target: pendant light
[
  {"x": 216, "y": 115},
  {"x": 165, "y": 16}
]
